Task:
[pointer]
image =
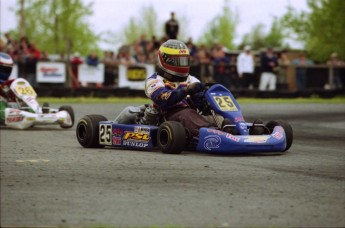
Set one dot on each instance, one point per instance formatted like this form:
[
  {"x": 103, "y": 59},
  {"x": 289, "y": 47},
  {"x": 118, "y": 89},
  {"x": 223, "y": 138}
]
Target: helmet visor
[{"x": 176, "y": 60}]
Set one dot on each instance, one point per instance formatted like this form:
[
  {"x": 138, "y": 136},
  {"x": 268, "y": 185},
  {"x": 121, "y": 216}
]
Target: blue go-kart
[{"x": 231, "y": 136}]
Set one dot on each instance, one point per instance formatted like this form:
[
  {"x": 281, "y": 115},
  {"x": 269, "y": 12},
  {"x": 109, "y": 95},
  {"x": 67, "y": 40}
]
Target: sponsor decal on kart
[
  {"x": 232, "y": 137},
  {"x": 136, "y": 136},
  {"x": 140, "y": 129},
  {"x": 257, "y": 139},
  {"x": 116, "y": 140},
  {"x": 212, "y": 142},
  {"x": 14, "y": 118},
  {"x": 278, "y": 135},
  {"x": 214, "y": 131},
  {"x": 133, "y": 139},
  {"x": 117, "y": 132},
  {"x": 238, "y": 119},
  {"x": 243, "y": 126}
]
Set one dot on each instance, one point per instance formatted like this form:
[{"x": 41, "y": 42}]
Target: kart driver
[
  {"x": 169, "y": 87},
  {"x": 6, "y": 96}
]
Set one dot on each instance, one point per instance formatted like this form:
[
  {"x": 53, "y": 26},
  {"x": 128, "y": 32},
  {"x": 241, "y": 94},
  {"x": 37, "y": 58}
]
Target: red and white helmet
[{"x": 174, "y": 60}]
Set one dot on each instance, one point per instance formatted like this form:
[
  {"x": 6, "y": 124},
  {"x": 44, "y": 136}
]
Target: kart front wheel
[
  {"x": 70, "y": 111},
  {"x": 88, "y": 131},
  {"x": 287, "y": 128},
  {"x": 171, "y": 137}
]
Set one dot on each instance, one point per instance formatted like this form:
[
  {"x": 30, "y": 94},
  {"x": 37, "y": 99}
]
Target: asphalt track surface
[{"x": 48, "y": 179}]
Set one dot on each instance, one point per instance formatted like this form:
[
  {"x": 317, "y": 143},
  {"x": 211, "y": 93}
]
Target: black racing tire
[
  {"x": 70, "y": 111},
  {"x": 87, "y": 131},
  {"x": 287, "y": 128},
  {"x": 171, "y": 137},
  {"x": 45, "y": 108}
]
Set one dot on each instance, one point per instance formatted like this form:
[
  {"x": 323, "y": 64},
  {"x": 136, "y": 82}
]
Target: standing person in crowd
[
  {"x": 301, "y": 71},
  {"x": 75, "y": 62},
  {"x": 143, "y": 42},
  {"x": 204, "y": 59},
  {"x": 269, "y": 62},
  {"x": 335, "y": 62},
  {"x": 92, "y": 59},
  {"x": 171, "y": 27},
  {"x": 10, "y": 43},
  {"x": 125, "y": 58},
  {"x": 155, "y": 43},
  {"x": 44, "y": 57},
  {"x": 219, "y": 61},
  {"x": 245, "y": 68},
  {"x": 283, "y": 62},
  {"x": 31, "y": 62},
  {"x": 110, "y": 66}
]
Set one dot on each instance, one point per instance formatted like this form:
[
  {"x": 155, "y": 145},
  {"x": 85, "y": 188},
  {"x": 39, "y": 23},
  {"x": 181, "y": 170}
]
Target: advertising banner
[
  {"x": 134, "y": 77},
  {"x": 51, "y": 72},
  {"x": 91, "y": 74}
]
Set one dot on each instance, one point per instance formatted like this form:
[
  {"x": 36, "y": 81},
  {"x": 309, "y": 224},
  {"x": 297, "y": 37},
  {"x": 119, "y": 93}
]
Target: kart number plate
[
  {"x": 105, "y": 134},
  {"x": 25, "y": 90},
  {"x": 225, "y": 103}
]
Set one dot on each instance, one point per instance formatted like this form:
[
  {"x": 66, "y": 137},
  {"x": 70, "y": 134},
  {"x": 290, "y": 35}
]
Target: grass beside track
[{"x": 139, "y": 100}]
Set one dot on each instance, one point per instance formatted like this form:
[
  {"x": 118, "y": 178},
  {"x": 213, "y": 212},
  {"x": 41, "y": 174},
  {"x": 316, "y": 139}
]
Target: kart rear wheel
[
  {"x": 287, "y": 128},
  {"x": 45, "y": 107},
  {"x": 88, "y": 131},
  {"x": 70, "y": 111},
  {"x": 171, "y": 137}
]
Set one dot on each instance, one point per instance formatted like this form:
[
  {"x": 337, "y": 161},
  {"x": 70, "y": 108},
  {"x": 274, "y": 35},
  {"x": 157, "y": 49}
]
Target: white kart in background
[{"x": 26, "y": 112}]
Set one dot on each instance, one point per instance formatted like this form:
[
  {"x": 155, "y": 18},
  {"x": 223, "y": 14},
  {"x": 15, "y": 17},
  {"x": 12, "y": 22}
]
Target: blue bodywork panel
[
  {"x": 132, "y": 136},
  {"x": 215, "y": 141}
]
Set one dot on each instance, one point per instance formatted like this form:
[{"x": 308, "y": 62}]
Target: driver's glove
[{"x": 195, "y": 87}]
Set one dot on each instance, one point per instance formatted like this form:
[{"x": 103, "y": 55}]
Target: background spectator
[
  {"x": 268, "y": 78},
  {"x": 335, "y": 62},
  {"x": 283, "y": 62},
  {"x": 124, "y": 57},
  {"x": 301, "y": 72},
  {"x": 245, "y": 68},
  {"x": 219, "y": 61},
  {"x": 44, "y": 57},
  {"x": 32, "y": 58},
  {"x": 171, "y": 27},
  {"x": 110, "y": 68},
  {"x": 92, "y": 59},
  {"x": 204, "y": 60},
  {"x": 75, "y": 62}
]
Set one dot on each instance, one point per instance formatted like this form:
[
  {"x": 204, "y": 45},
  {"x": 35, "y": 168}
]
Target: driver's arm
[{"x": 165, "y": 97}]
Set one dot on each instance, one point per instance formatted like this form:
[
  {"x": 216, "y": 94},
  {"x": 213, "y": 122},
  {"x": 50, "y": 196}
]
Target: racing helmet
[
  {"x": 173, "y": 61},
  {"x": 6, "y": 65}
]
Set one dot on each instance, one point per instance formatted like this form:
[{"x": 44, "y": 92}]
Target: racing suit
[{"x": 170, "y": 99}]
